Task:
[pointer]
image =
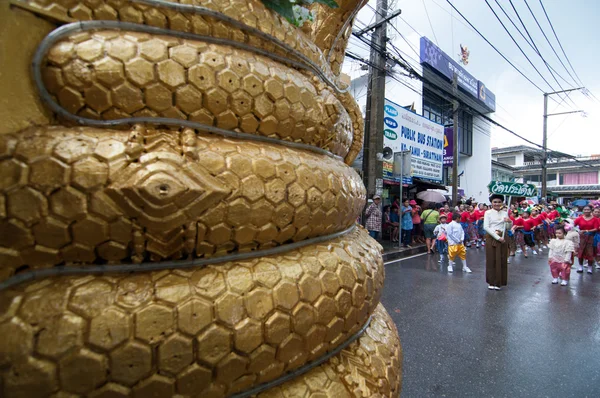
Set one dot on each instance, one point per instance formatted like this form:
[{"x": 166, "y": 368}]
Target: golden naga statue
[{"x": 177, "y": 213}]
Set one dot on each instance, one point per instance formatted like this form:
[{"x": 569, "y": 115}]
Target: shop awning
[{"x": 422, "y": 184}]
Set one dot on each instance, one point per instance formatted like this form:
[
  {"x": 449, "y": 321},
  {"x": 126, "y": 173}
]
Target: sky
[{"x": 519, "y": 104}]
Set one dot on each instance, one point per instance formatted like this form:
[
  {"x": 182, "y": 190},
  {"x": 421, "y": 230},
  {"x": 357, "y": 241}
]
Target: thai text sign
[
  {"x": 424, "y": 139},
  {"x": 438, "y": 60},
  {"x": 448, "y": 146},
  {"x": 433, "y": 56},
  {"x": 513, "y": 189}
]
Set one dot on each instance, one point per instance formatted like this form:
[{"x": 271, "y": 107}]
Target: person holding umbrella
[{"x": 495, "y": 222}]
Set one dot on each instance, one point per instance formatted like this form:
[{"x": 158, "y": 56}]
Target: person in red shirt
[
  {"x": 526, "y": 226},
  {"x": 464, "y": 222},
  {"x": 540, "y": 233},
  {"x": 473, "y": 235},
  {"x": 588, "y": 226},
  {"x": 596, "y": 214},
  {"x": 553, "y": 218},
  {"x": 480, "y": 231}
]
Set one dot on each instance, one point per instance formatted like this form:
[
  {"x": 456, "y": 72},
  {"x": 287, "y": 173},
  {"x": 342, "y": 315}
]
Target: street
[{"x": 531, "y": 339}]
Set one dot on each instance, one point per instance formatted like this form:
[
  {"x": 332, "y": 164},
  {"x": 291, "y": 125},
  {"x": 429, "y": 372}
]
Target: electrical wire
[
  {"x": 548, "y": 41},
  {"x": 430, "y": 24},
  {"x": 416, "y": 75},
  {"x": 496, "y": 49},
  {"x": 563, "y": 50},
  {"x": 536, "y": 50},
  {"x": 527, "y": 41}
]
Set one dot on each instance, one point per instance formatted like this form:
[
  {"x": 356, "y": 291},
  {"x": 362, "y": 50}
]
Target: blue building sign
[{"x": 433, "y": 56}]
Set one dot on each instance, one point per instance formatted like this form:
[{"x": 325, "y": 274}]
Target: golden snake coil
[{"x": 178, "y": 217}]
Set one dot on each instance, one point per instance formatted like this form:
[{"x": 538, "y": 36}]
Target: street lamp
[{"x": 545, "y": 136}]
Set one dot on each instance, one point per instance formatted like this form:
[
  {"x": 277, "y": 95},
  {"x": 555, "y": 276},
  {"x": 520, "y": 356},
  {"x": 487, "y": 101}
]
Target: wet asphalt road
[{"x": 531, "y": 339}]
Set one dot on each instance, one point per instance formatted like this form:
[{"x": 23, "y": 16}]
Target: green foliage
[{"x": 296, "y": 11}]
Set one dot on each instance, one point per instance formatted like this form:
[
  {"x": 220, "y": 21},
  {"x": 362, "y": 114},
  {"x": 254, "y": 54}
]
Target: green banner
[{"x": 513, "y": 189}]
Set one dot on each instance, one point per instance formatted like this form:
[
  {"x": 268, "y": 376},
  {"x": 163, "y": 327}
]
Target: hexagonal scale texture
[
  {"x": 81, "y": 195},
  {"x": 217, "y": 309},
  {"x": 102, "y": 195}
]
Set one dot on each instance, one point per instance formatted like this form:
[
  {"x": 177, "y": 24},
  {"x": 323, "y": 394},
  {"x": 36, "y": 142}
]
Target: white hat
[{"x": 376, "y": 197}]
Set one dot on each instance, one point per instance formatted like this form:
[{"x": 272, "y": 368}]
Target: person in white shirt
[
  {"x": 441, "y": 241},
  {"x": 496, "y": 223},
  {"x": 560, "y": 257},
  {"x": 456, "y": 247}
]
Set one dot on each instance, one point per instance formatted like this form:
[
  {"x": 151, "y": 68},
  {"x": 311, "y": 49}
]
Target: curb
[{"x": 396, "y": 254}]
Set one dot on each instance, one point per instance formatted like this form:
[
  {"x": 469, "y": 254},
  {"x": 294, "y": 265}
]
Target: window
[
  {"x": 465, "y": 133},
  {"x": 439, "y": 110},
  {"x": 587, "y": 178},
  {"x": 508, "y": 160}
]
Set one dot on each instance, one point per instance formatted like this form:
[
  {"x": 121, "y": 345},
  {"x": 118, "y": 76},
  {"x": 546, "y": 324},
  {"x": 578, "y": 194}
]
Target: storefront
[{"x": 474, "y": 143}]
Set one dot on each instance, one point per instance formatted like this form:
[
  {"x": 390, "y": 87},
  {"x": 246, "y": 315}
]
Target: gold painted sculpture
[{"x": 176, "y": 210}]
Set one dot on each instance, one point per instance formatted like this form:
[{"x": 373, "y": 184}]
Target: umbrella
[
  {"x": 580, "y": 202},
  {"x": 431, "y": 196}
]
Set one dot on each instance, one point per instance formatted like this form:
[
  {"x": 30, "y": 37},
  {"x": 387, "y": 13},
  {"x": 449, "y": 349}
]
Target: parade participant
[
  {"x": 527, "y": 226},
  {"x": 572, "y": 233},
  {"x": 495, "y": 223},
  {"x": 517, "y": 230},
  {"x": 429, "y": 218},
  {"x": 373, "y": 214},
  {"x": 406, "y": 223},
  {"x": 538, "y": 228},
  {"x": 456, "y": 236},
  {"x": 473, "y": 217},
  {"x": 588, "y": 225},
  {"x": 480, "y": 231},
  {"x": 441, "y": 241},
  {"x": 464, "y": 222},
  {"x": 596, "y": 214},
  {"x": 553, "y": 219},
  {"x": 510, "y": 235},
  {"x": 560, "y": 257},
  {"x": 544, "y": 217},
  {"x": 523, "y": 206}
]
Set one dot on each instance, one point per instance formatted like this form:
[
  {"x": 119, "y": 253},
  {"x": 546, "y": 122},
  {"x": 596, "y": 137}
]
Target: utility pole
[
  {"x": 545, "y": 148},
  {"x": 373, "y": 142},
  {"x": 545, "y": 136},
  {"x": 455, "y": 139}
]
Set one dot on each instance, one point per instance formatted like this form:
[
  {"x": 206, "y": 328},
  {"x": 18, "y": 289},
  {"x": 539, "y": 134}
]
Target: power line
[
  {"x": 539, "y": 53},
  {"x": 521, "y": 49},
  {"x": 496, "y": 49},
  {"x": 430, "y": 24},
  {"x": 548, "y": 40},
  {"x": 559, "y": 43},
  {"x": 527, "y": 40},
  {"x": 563, "y": 50},
  {"x": 439, "y": 90}
]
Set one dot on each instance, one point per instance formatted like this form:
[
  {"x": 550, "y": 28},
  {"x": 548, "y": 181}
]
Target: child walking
[
  {"x": 560, "y": 257},
  {"x": 456, "y": 247},
  {"x": 441, "y": 239}
]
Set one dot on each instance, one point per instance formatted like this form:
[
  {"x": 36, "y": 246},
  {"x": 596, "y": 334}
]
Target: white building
[
  {"x": 566, "y": 177},
  {"x": 435, "y": 103}
]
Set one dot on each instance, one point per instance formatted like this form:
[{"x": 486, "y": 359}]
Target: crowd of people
[{"x": 523, "y": 228}]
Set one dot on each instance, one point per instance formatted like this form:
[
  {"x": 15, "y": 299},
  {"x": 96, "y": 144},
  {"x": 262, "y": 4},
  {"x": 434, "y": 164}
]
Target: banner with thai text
[{"x": 405, "y": 130}]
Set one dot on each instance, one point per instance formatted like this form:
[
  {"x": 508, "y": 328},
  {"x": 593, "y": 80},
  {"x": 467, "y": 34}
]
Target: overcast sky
[{"x": 519, "y": 105}]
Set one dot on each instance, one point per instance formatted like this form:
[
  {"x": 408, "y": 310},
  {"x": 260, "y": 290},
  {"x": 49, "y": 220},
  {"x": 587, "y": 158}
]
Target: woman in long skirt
[
  {"x": 496, "y": 223},
  {"x": 472, "y": 227},
  {"x": 588, "y": 226}
]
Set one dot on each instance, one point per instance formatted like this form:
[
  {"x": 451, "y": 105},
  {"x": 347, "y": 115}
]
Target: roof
[
  {"x": 509, "y": 149},
  {"x": 571, "y": 164},
  {"x": 536, "y": 152},
  {"x": 575, "y": 188},
  {"x": 502, "y": 165}
]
